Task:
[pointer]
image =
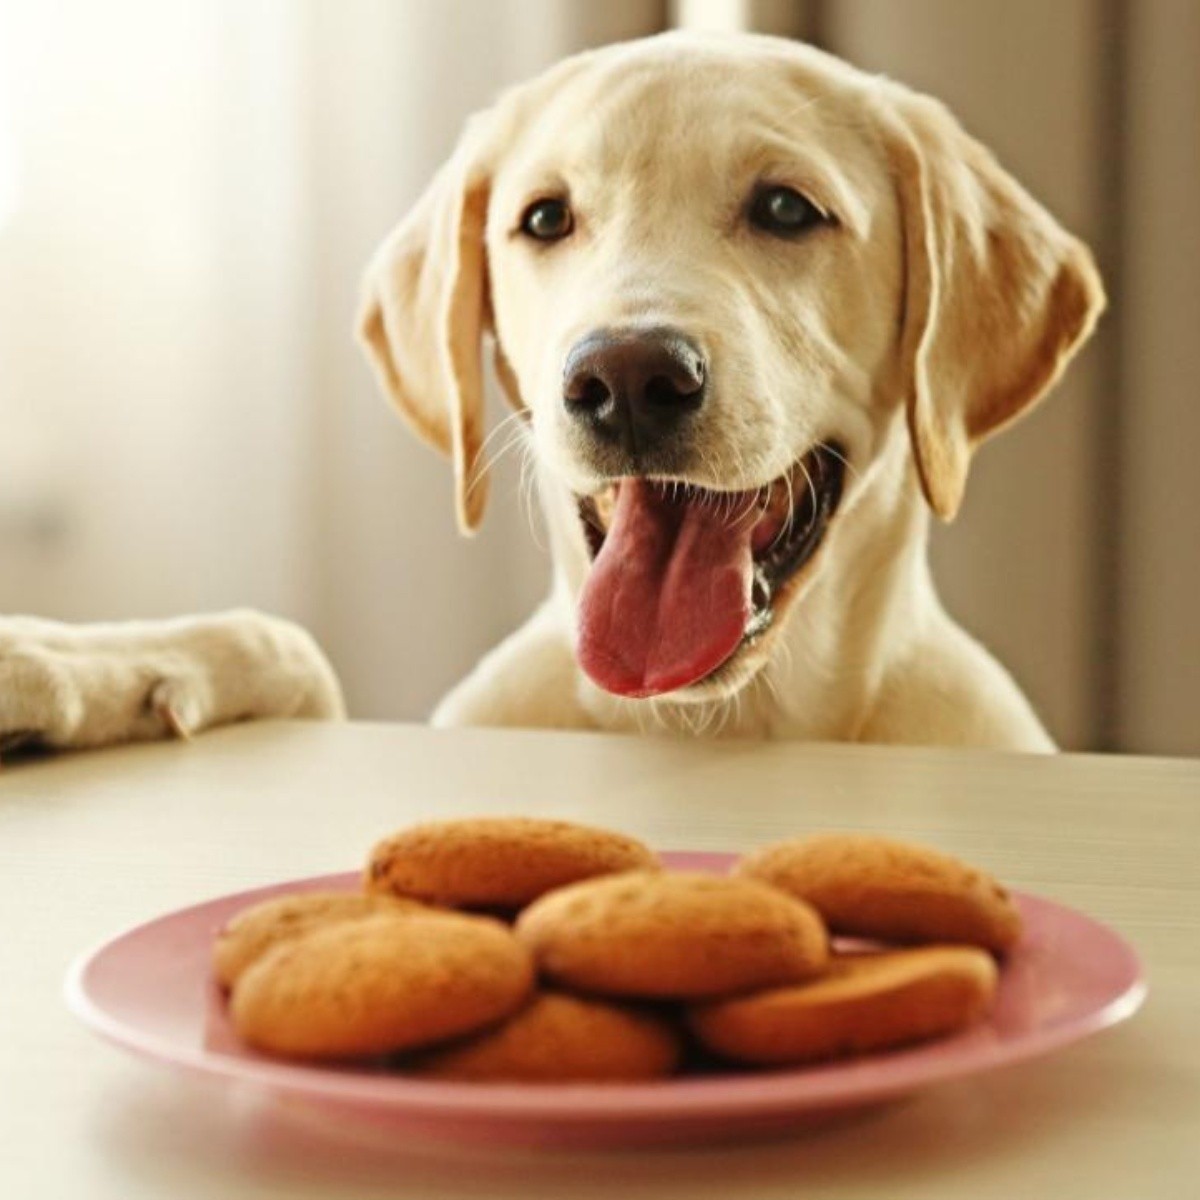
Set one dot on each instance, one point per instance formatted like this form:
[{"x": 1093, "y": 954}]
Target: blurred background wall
[{"x": 189, "y": 189}]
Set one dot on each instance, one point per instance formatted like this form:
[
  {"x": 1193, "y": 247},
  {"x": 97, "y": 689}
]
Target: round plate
[{"x": 150, "y": 990}]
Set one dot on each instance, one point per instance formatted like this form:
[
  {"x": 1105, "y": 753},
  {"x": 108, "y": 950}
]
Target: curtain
[{"x": 149, "y": 312}]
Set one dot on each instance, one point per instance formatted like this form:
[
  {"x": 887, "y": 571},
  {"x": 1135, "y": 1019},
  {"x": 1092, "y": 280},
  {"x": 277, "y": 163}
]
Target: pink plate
[{"x": 150, "y": 991}]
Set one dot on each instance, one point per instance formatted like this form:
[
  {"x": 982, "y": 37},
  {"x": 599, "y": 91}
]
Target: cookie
[
  {"x": 672, "y": 935},
  {"x": 864, "y": 1002},
  {"x": 497, "y": 862},
  {"x": 877, "y": 887},
  {"x": 256, "y": 929},
  {"x": 381, "y": 984},
  {"x": 559, "y": 1039}
]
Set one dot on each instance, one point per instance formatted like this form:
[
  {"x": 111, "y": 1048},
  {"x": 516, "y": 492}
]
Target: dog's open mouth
[{"x": 683, "y": 577}]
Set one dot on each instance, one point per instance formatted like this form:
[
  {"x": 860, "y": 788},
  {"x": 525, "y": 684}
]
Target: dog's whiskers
[
  {"x": 518, "y": 436},
  {"x": 533, "y": 513},
  {"x": 785, "y": 529},
  {"x": 843, "y": 460},
  {"x": 750, "y": 508},
  {"x": 502, "y": 427},
  {"x": 768, "y": 682},
  {"x": 812, "y": 487}
]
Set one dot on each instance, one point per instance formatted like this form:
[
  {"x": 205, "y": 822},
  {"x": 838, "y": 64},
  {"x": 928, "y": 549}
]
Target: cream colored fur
[
  {"x": 82, "y": 686},
  {"x": 943, "y": 304}
]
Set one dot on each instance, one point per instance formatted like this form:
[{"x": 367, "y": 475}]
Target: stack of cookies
[{"x": 536, "y": 950}]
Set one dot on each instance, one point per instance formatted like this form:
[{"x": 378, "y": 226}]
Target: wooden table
[{"x": 91, "y": 843}]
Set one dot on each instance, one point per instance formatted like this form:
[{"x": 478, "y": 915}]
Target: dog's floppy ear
[
  {"x": 423, "y": 316},
  {"x": 998, "y": 296}
]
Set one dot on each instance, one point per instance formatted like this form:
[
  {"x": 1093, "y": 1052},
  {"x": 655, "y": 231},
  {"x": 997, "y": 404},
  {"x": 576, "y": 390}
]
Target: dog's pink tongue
[{"x": 668, "y": 597}]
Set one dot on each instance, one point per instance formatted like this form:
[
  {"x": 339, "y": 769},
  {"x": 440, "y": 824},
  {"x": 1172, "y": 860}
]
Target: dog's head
[{"x": 719, "y": 276}]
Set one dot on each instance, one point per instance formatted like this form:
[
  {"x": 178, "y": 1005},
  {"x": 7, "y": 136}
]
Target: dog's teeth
[
  {"x": 761, "y": 612},
  {"x": 603, "y": 503},
  {"x": 760, "y": 590}
]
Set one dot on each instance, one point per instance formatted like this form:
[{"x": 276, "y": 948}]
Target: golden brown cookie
[
  {"x": 672, "y": 935},
  {"x": 256, "y": 929},
  {"x": 878, "y": 887},
  {"x": 559, "y": 1038},
  {"x": 381, "y": 984},
  {"x": 497, "y": 862},
  {"x": 864, "y": 1002}
]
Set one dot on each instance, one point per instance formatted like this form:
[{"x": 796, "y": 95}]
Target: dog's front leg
[
  {"x": 529, "y": 681},
  {"x": 81, "y": 686}
]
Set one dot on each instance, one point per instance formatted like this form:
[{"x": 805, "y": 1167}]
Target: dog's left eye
[
  {"x": 547, "y": 220},
  {"x": 783, "y": 211}
]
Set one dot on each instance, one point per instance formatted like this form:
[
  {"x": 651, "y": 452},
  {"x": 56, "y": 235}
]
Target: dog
[{"x": 753, "y": 310}]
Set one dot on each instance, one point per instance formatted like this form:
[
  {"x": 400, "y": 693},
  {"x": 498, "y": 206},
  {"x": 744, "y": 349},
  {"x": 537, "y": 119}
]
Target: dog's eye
[
  {"x": 783, "y": 211},
  {"x": 547, "y": 220}
]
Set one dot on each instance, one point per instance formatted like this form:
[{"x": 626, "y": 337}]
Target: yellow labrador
[{"x": 756, "y": 309}]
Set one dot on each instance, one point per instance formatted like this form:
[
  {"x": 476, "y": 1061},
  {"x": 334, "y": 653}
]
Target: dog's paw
[
  {"x": 39, "y": 699},
  {"x": 78, "y": 688},
  {"x": 259, "y": 666},
  {"x": 178, "y": 707},
  {"x": 85, "y": 686}
]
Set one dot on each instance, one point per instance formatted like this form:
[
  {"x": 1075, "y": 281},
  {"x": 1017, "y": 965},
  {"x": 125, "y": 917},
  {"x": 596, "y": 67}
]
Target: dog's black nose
[{"x": 634, "y": 386}]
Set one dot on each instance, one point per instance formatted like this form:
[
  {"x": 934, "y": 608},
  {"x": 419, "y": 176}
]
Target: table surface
[{"x": 92, "y": 843}]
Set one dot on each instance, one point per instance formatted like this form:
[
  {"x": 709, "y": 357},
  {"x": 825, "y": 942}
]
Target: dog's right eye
[{"x": 547, "y": 220}]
